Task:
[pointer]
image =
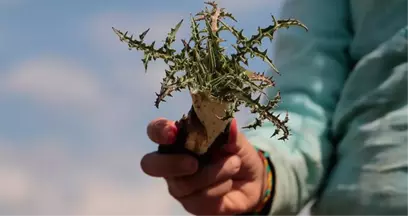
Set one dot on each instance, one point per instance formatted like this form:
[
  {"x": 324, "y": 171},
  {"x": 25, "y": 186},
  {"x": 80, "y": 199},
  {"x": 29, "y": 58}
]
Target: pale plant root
[{"x": 201, "y": 135}]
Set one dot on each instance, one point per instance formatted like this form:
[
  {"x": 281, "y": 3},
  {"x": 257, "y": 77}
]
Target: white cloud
[
  {"x": 107, "y": 112},
  {"x": 14, "y": 185},
  {"x": 49, "y": 178},
  {"x": 63, "y": 85},
  {"x": 109, "y": 197},
  {"x": 23, "y": 195},
  {"x": 54, "y": 81}
]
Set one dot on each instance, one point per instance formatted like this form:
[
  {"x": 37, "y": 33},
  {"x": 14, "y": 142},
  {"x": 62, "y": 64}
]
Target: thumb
[{"x": 233, "y": 145}]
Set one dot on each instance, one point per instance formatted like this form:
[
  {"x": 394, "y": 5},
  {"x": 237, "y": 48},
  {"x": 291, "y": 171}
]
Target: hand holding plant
[{"x": 229, "y": 177}]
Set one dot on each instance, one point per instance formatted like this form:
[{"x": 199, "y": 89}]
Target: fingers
[
  {"x": 168, "y": 166},
  {"x": 162, "y": 131},
  {"x": 207, "y": 202},
  {"x": 218, "y": 190},
  {"x": 205, "y": 178},
  {"x": 208, "y": 205}
]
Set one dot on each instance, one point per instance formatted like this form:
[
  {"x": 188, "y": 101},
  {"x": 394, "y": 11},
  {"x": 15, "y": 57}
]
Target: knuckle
[
  {"x": 171, "y": 189},
  {"x": 197, "y": 208},
  {"x": 172, "y": 192},
  {"x": 179, "y": 188},
  {"x": 200, "y": 205},
  {"x": 184, "y": 189},
  {"x": 218, "y": 190},
  {"x": 201, "y": 210},
  {"x": 178, "y": 165},
  {"x": 229, "y": 169},
  {"x": 225, "y": 169},
  {"x": 233, "y": 165}
]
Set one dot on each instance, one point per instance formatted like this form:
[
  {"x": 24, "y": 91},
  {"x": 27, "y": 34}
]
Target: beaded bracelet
[
  {"x": 267, "y": 197},
  {"x": 265, "y": 204}
]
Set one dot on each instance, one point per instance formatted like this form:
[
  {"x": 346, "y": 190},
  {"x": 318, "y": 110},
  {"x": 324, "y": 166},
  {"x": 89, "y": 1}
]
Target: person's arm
[{"x": 313, "y": 66}]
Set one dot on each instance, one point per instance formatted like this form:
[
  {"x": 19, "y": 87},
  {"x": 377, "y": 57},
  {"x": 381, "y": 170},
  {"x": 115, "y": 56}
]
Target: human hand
[{"x": 233, "y": 183}]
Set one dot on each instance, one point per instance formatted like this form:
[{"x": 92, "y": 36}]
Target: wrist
[{"x": 267, "y": 184}]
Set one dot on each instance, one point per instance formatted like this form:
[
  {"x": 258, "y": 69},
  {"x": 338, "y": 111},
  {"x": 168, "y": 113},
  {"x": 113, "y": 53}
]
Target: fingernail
[{"x": 170, "y": 134}]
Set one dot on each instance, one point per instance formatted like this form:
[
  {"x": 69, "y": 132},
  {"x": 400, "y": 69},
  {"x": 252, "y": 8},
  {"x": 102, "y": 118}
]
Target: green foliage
[{"x": 208, "y": 69}]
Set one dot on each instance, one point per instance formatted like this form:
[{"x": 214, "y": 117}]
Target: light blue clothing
[{"x": 344, "y": 84}]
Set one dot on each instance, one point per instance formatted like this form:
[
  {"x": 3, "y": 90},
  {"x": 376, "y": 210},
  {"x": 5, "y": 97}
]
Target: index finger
[{"x": 168, "y": 166}]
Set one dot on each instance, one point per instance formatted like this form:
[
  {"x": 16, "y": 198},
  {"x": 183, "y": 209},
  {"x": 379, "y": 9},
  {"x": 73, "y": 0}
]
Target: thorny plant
[{"x": 209, "y": 70}]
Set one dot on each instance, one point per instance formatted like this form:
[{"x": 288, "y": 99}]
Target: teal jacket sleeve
[{"x": 313, "y": 67}]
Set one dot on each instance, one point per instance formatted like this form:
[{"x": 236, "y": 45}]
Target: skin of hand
[{"x": 233, "y": 183}]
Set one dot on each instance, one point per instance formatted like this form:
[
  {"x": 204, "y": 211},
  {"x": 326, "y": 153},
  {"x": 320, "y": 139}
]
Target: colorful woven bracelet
[{"x": 261, "y": 207}]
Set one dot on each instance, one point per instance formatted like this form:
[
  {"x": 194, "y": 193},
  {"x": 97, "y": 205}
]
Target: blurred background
[{"x": 75, "y": 102}]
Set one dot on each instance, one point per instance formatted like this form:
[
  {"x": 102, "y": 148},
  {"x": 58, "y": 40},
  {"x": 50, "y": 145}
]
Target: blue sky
[{"x": 74, "y": 103}]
